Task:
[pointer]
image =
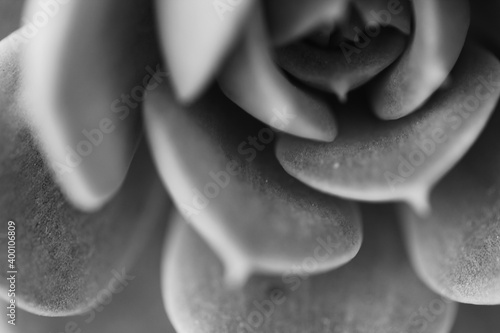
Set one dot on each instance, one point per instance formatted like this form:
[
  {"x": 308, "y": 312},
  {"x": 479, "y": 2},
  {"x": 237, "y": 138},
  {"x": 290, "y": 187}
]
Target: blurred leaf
[
  {"x": 10, "y": 16},
  {"x": 64, "y": 256},
  {"x": 86, "y": 70},
  {"x": 196, "y": 35},
  {"x": 292, "y": 20},
  {"x": 398, "y": 14}
]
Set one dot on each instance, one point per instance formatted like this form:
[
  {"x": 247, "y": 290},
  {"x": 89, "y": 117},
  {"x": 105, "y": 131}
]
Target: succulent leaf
[{"x": 226, "y": 180}]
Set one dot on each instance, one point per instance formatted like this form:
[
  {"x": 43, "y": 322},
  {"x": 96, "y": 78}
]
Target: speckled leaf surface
[
  {"x": 439, "y": 35},
  {"x": 377, "y": 292},
  {"x": 131, "y": 305},
  {"x": 456, "y": 249},
  {"x": 227, "y": 182},
  {"x": 63, "y": 255},
  {"x": 400, "y": 160}
]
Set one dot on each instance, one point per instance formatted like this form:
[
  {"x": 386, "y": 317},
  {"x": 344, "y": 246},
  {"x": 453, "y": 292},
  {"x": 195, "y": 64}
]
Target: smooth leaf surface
[
  {"x": 392, "y": 13},
  {"x": 86, "y": 71},
  {"x": 196, "y": 36},
  {"x": 252, "y": 80},
  {"x": 292, "y": 20},
  {"x": 338, "y": 70}
]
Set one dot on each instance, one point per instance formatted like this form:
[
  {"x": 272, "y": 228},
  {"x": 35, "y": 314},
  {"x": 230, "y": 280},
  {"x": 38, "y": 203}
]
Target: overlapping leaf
[
  {"x": 377, "y": 292},
  {"x": 398, "y": 14},
  {"x": 220, "y": 169},
  {"x": 196, "y": 35},
  {"x": 456, "y": 249},
  {"x": 344, "y": 67},
  {"x": 63, "y": 255},
  {"x": 252, "y": 80},
  {"x": 400, "y": 160},
  {"x": 440, "y": 30},
  {"x": 128, "y": 305},
  {"x": 87, "y": 67},
  {"x": 291, "y": 20}
]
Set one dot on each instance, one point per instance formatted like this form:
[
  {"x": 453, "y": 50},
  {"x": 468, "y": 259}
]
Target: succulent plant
[{"x": 259, "y": 166}]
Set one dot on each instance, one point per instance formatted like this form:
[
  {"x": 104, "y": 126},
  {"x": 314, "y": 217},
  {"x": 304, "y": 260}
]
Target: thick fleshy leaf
[
  {"x": 128, "y": 305},
  {"x": 85, "y": 72},
  {"x": 376, "y": 292},
  {"x": 196, "y": 35},
  {"x": 10, "y": 16},
  {"x": 473, "y": 318},
  {"x": 63, "y": 255},
  {"x": 339, "y": 69},
  {"x": 456, "y": 249},
  {"x": 394, "y": 13},
  {"x": 440, "y": 30},
  {"x": 377, "y": 160},
  {"x": 291, "y": 20},
  {"x": 252, "y": 80},
  {"x": 219, "y": 166}
]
